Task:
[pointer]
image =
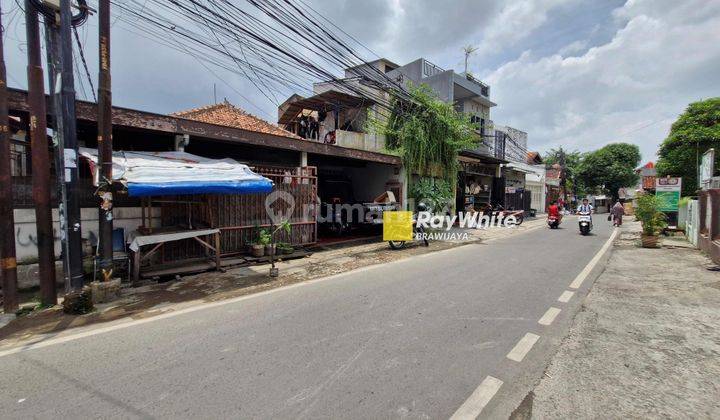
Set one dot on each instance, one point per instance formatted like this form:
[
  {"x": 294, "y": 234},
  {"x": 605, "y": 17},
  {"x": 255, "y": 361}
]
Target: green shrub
[
  {"x": 435, "y": 193},
  {"x": 264, "y": 237},
  {"x": 652, "y": 220}
]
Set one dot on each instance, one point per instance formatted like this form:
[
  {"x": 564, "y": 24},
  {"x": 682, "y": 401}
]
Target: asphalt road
[{"x": 413, "y": 338}]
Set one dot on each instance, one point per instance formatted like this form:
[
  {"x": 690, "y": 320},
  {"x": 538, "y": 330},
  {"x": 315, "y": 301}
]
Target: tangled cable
[{"x": 50, "y": 12}]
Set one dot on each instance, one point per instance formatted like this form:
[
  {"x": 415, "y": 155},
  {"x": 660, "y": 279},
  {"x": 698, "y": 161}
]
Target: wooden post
[
  {"x": 8, "y": 264},
  {"x": 40, "y": 159}
]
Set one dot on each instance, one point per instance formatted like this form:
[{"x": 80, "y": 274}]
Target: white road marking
[
  {"x": 566, "y": 296},
  {"x": 42, "y": 342},
  {"x": 549, "y": 316},
  {"x": 475, "y": 404},
  {"x": 589, "y": 267},
  {"x": 92, "y": 330},
  {"x": 523, "y": 346}
]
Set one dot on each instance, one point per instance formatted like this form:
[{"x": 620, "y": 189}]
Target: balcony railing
[
  {"x": 430, "y": 69},
  {"x": 484, "y": 89}
]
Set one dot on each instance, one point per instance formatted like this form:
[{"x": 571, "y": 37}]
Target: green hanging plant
[{"x": 427, "y": 134}]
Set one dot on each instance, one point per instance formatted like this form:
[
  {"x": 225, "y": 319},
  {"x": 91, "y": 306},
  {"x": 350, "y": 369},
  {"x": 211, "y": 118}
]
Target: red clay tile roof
[
  {"x": 229, "y": 115},
  {"x": 533, "y": 158}
]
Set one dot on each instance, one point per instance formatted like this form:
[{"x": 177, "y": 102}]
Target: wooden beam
[{"x": 87, "y": 111}]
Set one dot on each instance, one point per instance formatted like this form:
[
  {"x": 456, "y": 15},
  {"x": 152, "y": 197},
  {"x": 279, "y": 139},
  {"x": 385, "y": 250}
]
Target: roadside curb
[{"x": 198, "y": 304}]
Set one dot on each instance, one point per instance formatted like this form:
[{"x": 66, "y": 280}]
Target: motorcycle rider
[
  {"x": 554, "y": 211},
  {"x": 586, "y": 207}
]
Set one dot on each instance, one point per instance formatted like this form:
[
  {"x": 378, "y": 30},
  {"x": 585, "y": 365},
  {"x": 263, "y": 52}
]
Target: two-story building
[{"x": 338, "y": 110}]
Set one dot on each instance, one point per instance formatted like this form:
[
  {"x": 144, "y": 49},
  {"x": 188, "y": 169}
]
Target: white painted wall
[
  {"x": 361, "y": 141},
  {"x": 128, "y": 218},
  {"x": 537, "y": 191},
  {"x": 692, "y": 223}
]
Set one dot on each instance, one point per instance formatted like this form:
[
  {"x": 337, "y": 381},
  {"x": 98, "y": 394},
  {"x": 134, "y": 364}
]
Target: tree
[
  {"x": 694, "y": 132},
  {"x": 610, "y": 168}
]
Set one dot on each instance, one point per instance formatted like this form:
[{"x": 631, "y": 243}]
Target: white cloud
[
  {"x": 662, "y": 57},
  {"x": 573, "y": 48},
  {"x": 515, "y": 22}
]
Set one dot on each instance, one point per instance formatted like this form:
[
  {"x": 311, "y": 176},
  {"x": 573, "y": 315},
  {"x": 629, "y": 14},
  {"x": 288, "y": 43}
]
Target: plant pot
[
  {"x": 649, "y": 241},
  {"x": 270, "y": 249},
  {"x": 257, "y": 250}
]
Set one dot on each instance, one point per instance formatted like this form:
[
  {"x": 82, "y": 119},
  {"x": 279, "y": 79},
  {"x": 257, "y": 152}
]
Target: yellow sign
[{"x": 397, "y": 226}]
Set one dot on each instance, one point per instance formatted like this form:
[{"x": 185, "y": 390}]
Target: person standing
[{"x": 617, "y": 212}]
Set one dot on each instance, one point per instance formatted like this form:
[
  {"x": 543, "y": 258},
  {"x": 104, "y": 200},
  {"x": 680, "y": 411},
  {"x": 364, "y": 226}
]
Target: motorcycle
[
  {"x": 553, "y": 222},
  {"x": 500, "y": 211},
  {"x": 584, "y": 223},
  {"x": 418, "y": 232}
]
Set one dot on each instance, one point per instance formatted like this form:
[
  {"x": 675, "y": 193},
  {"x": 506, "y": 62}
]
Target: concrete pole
[
  {"x": 73, "y": 235},
  {"x": 105, "y": 143}
]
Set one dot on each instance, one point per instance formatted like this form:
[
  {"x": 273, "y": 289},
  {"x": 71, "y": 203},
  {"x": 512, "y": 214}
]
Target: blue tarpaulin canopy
[{"x": 172, "y": 173}]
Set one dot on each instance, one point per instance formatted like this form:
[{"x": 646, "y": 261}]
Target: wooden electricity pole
[
  {"x": 8, "y": 264},
  {"x": 40, "y": 159}
]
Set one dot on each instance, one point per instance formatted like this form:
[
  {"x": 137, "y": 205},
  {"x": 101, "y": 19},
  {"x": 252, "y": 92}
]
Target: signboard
[
  {"x": 667, "y": 191},
  {"x": 707, "y": 168}
]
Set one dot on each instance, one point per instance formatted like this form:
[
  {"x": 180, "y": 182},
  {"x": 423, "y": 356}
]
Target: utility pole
[
  {"x": 105, "y": 143},
  {"x": 563, "y": 184},
  {"x": 52, "y": 48},
  {"x": 73, "y": 236},
  {"x": 40, "y": 159},
  {"x": 59, "y": 46},
  {"x": 8, "y": 264}
]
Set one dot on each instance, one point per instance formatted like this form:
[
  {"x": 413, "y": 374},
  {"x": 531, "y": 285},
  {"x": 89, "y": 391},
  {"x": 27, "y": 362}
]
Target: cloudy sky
[{"x": 572, "y": 73}]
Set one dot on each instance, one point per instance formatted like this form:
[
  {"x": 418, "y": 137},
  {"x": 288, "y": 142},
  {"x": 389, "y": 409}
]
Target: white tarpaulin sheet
[{"x": 170, "y": 173}]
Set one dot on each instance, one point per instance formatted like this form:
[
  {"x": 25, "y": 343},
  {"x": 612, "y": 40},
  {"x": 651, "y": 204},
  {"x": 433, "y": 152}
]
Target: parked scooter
[
  {"x": 501, "y": 211},
  {"x": 584, "y": 223},
  {"x": 553, "y": 222},
  {"x": 418, "y": 231}
]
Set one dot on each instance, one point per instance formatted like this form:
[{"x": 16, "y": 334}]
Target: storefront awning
[{"x": 172, "y": 173}]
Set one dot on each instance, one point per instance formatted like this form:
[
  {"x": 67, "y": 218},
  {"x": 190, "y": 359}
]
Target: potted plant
[
  {"x": 284, "y": 226},
  {"x": 265, "y": 239},
  {"x": 652, "y": 220},
  {"x": 257, "y": 249}
]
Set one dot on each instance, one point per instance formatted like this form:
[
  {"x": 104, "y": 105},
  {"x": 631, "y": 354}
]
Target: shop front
[{"x": 478, "y": 184}]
